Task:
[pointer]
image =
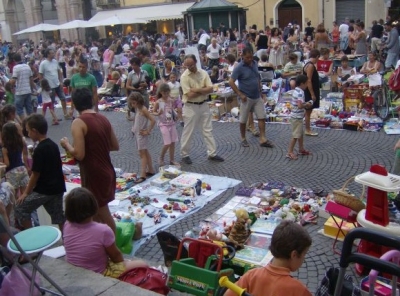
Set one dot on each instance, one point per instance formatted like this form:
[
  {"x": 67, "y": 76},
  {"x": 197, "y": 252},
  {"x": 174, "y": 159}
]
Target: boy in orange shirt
[{"x": 289, "y": 245}]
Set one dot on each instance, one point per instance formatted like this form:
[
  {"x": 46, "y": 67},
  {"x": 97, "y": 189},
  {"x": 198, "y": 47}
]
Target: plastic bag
[{"x": 15, "y": 283}]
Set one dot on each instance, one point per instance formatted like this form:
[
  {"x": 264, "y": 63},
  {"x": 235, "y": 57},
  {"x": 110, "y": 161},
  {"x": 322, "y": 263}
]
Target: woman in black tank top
[
  {"x": 261, "y": 40},
  {"x": 311, "y": 72}
]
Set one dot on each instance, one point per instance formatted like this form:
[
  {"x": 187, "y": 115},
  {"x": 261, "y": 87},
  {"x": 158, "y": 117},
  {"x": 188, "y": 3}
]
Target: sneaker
[
  {"x": 216, "y": 158},
  {"x": 187, "y": 160}
]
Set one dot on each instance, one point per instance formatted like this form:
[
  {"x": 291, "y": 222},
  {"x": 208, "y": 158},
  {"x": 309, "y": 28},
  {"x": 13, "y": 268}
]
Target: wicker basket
[{"x": 342, "y": 197}]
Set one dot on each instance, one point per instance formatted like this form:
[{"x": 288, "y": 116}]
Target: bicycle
[{"x": 383, "y": 98}]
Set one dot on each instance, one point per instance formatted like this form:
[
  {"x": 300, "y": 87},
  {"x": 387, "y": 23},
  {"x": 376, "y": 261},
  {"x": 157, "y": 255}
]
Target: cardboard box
[
  {"x": 331, "y": 229},
  {"x": 353, "y": 97}
]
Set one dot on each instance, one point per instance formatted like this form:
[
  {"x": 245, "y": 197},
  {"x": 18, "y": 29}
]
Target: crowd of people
[{"x": 137, "y": 66}]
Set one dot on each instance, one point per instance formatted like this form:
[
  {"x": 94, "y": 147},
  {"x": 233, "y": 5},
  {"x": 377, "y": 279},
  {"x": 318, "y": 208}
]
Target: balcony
[{"x": 108, "y": 3}]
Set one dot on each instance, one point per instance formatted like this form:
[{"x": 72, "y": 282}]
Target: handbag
[
  {"x": 146, "y": 278},
  {"x": 328, "y": 284},
  {"x": 342, "y": 197}
]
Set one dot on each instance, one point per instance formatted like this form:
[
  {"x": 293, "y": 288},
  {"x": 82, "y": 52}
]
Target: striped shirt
[
  {"x": 22, "y": 73},
  {"x": 298, "y": 94}
]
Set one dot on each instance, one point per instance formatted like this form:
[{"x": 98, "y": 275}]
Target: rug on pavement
[
  {"x": 266, "y": 204},
  {"x": 392, "y": 127}
]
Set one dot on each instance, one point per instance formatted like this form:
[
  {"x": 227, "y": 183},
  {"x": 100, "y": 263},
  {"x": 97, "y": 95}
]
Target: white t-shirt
[
  {"x": 126, "y": 47},
  {"x": 181, "y": 36},
  {"x": 343, "y": 29},
  {"x": 45, "y": 95},
  {"x": 50, "y": 70},
  {"x": 174, "y": 89},
  {"x": 94, "y": 52},
  {"x": 203, "y": 38},
  {"x": 213, "y": 53}
]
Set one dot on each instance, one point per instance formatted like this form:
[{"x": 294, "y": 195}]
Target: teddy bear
[{"x": 240, "y": 230}]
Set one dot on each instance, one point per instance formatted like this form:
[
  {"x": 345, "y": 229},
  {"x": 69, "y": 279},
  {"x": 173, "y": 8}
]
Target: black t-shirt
[
  {"x": 309, "y": 31},
  {"x": 376, "y": 31},
  {"x": 262, "y": 42},
  {"x": 47, "y": 161}
]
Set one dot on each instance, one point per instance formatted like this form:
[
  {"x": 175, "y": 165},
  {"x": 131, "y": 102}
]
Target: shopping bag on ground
[
  {"x": 15, "y": 283},
  {"x": 147, "y": 278}
]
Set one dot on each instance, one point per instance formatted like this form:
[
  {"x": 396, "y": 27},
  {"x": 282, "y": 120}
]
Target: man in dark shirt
[{"x": 376, "y": 35}]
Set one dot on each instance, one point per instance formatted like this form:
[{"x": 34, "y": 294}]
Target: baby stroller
[{"x": 342, "y": 285}]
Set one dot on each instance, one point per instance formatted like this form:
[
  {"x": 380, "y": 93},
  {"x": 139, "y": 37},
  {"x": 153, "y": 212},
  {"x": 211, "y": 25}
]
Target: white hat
[{"x": 290, "y": 24}]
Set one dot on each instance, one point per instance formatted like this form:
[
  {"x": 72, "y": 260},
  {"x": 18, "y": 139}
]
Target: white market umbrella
[
  {"x": 38, "y": 28},
  {"x": 115, "y": 20},
  {"x": 76, "y": 24}
]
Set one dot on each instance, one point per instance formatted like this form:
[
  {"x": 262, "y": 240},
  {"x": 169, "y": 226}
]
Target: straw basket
[{"x": 342, "y": 197}]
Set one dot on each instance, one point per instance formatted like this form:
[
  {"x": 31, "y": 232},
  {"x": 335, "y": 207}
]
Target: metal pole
[{"x": 265, "y": 16}]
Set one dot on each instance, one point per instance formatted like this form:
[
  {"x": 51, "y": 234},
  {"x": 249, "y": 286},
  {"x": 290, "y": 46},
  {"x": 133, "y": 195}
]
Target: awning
[{"x": 149, "y": 13}]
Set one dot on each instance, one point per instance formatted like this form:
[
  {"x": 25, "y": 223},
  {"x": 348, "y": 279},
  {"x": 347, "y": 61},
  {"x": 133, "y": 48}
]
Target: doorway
[{"x": 289, "y": 11}]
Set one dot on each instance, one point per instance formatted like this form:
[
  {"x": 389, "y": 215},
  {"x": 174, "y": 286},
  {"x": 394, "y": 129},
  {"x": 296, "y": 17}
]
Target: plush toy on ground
[{"x": 240, "y": 229}]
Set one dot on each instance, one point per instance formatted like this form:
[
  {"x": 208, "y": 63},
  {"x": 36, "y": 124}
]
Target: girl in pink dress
[
  {"x": 165, "y": 109},
  {"x": 144, "y": 124}
]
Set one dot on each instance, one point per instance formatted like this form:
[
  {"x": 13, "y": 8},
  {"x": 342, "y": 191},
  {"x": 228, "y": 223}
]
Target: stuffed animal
[
  {"x": 214, "y": 235},
  {"x": 240, "y": 230}
]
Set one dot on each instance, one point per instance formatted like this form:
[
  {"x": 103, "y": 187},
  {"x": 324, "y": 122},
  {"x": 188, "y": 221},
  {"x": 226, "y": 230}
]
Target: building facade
[
  {"x": 16, "y": 15},
  {"x": 21, "y": 14}
]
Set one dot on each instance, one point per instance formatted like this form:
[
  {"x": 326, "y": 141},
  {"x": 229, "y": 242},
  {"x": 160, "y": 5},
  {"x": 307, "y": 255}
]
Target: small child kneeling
[
  {"x": 289, "y": 245},
  {"x": 89, "y": 244}
]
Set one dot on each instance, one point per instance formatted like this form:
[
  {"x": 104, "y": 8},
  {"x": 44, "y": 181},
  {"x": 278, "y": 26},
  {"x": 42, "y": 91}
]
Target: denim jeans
[
  {"x": 391, "y": 60},
  {"x": 23, "y": 101}
]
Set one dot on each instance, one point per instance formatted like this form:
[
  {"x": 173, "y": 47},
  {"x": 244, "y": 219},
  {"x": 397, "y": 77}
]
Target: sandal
[
  {"x": 314, "y": 134},
  {"x": 140, "y": 180},
  {"x": 245, "y": 143},
  {"x": 267, "y": 144},
  {"x": 174, "y": 163},
  {"x": 55, "y": 123},
  {"x": 304, "y": 152},
  {"x": 291, "y": 156},
  {"x": 150, "y": 174},
  {"x": 255, "y": 132}
]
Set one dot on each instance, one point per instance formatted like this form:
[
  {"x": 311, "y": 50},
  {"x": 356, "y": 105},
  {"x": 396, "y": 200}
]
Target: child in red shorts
[{"x": 45, "y": 90}]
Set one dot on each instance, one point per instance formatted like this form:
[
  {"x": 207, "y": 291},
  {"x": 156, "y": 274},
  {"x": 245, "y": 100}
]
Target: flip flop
[
  {"x": 150, "y": 174},
  {"x": 140, "y": 180},
  {"x": 267, "y": 144},
  {"x": 314, "y": 134},
  {"x": 304, "y": 152},
  {"x": 291, "y": 156}
]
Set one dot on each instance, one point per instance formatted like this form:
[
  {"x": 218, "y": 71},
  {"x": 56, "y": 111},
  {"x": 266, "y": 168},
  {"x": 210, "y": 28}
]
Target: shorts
[
  {"x": 169, "y": 134},
  {"x": 47, "y": 105},
  {"x": 18, "y": 177},
  {"x": 52, "y": 203},
  {"x": 6, "y": 197},
  {"x": 252, "y": 105},
  {"x": 34, "y": 101},
  {"x": 297, "y": 128},
  {"x": 59, "y": 92},
  {"x": 114, "y": 270}
]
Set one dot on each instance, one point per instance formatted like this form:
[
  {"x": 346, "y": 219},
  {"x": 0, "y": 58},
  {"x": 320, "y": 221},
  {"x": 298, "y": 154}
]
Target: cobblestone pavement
[{"x": 336, "y": 156}]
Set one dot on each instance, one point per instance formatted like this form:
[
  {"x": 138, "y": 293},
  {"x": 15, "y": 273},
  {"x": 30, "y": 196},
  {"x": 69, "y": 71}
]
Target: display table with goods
[
  {"x": 160, "y": 201},
  {"x": 249, "y": 218}
]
